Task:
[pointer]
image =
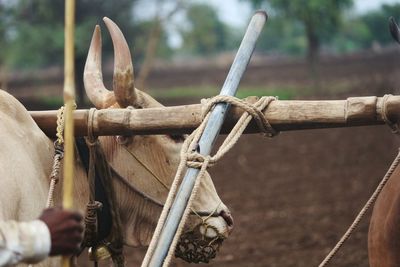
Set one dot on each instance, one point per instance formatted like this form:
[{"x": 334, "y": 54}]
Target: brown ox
[
  {"x": 384, "y": 229},
  {"x": 147, "y": 162}
]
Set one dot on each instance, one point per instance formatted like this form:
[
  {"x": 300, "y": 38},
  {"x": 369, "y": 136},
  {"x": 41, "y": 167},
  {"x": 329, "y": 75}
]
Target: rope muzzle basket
[{"x": 195, "y": 247}]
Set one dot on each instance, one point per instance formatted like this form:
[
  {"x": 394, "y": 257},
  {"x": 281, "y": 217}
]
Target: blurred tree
[
  {"x": 377, "y": 23},
  {"x": 39, "y": 24},
  {"x": 155, "y": 41},
  {"x": 4, "y": 17},
  {"x": 206, "y": 33},
  {"x": 354, "y": 36},
  {"x": 4, "y": 25},
  {"x": 282, "y": 37},
  {"x": 38, "y": 31},
  {"x": 320, "y": 20}
]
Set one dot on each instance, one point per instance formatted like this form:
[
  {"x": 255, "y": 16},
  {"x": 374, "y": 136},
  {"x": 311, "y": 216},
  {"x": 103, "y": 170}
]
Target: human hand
[{"x": 65, "y": 230}]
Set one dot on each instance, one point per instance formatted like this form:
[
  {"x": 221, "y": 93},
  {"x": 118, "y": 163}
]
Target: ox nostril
[{"x": 227, "y": 217}]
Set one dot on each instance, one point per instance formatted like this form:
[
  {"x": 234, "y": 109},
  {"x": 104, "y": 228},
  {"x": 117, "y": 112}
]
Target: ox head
[{"x": 149, "y": 163}]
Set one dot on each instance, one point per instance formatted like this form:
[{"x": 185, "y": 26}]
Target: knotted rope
[
  {"x": 98, "y": 165},
  {"x": 90, "y": 234},
  {"x": 58, "y": 156},
  {"x": 375, "y": 194},
  {"x": 189, "y": 157}
]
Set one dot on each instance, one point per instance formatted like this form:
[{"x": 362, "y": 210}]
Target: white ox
[{"x": 147, "y": 162}]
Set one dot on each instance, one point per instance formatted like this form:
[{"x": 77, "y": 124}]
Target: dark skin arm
[{"x": 66, "y": 230}]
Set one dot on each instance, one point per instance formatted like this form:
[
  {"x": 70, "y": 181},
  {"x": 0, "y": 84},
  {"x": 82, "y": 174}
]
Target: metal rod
[{"x": 209, "y": 136}]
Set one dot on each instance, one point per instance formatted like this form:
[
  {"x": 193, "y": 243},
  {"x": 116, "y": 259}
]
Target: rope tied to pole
[
  {"x": 93, "y": 206},
  {"x": 58, "y": 156},
  {"x": 191, "y": 158},
  {"x": 99, "y": 171},
  {"x": 254, "y": 110},
  {"x": 394, "y": 126}
]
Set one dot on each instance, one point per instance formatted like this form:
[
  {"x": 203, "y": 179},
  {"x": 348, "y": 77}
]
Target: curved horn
[
  {"x": 123, "y": 82},
  {"x": 394, "y": 29},
  {"x": 92, "y": 76}
]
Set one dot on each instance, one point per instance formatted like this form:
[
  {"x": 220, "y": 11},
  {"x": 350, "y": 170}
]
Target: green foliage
[
  {"x": 309, "y": 22},
  {"x": 5, "y": 17},
  {"x": 365, "y": 30},
  {"x": 282, "y": 37},
  {"x": 377, "y": 22},
  {"x": 319, "y": 17},
  {"x": 207, "y": 34},
  {"x": 38, "y": 29},
  {"x": 293, "y": 24},
  {"x": 143, "y": 30},
  {"x": 33, "y": 30},
  {"x": 354, "y": 36}
]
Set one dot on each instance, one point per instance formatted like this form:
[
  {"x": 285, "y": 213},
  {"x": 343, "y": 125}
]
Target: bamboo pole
[
  {"x": 69, "y": 101},
  {"x": 284, "y": 115}
]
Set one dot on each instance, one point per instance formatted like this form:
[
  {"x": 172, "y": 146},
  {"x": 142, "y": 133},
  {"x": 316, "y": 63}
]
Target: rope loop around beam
[
  {"x": 393, "y": 125},
  {"x": 252, "y": 111},
  {"x": 255, "y": 110}
]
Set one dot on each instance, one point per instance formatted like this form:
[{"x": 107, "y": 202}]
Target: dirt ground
[{"x": 293, "y": 196}]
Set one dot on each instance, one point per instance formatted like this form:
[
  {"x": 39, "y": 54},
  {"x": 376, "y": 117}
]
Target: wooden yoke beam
[{"x": 284, "y": 115}]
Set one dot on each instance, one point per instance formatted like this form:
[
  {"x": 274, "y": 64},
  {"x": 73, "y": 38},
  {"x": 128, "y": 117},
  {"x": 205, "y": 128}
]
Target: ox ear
[
  {"x": 92, "y": 76},
  {"x": 123, "y": 81}
]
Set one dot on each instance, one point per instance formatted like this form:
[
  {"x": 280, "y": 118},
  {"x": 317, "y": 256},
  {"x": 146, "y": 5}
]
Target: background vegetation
[
  {"x": 31, "y": 33},
  {"x": 32, "y": 30}
]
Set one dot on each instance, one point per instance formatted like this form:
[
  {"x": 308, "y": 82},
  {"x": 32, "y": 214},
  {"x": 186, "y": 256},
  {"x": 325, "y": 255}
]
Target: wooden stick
[
  {"x": 69, "y": 101},
  {"x": 284, "y": 115}
]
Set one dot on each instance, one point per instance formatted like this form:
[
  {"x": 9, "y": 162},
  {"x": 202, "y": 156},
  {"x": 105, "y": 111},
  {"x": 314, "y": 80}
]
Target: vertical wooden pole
[{"x": 69, "y": 101}]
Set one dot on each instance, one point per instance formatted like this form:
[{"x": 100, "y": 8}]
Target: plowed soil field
[{"x": 292, "y": 197}]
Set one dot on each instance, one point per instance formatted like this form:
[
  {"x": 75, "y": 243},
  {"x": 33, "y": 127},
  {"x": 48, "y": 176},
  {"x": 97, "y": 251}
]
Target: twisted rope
[
  {"x": 98, "y": 164},
  {"x": 190, "y": 158},
  {"x": 60, "y": 125},
  {"x": 58, "y": 156},
  {"x": 55, "y": 173},
  {"x": 91, "y": 224}
]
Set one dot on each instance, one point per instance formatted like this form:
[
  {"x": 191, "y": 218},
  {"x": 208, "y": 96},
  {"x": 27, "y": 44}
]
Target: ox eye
[
  {"x": 178, "y": 138},
  {"x": 123, "y": 140}
]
